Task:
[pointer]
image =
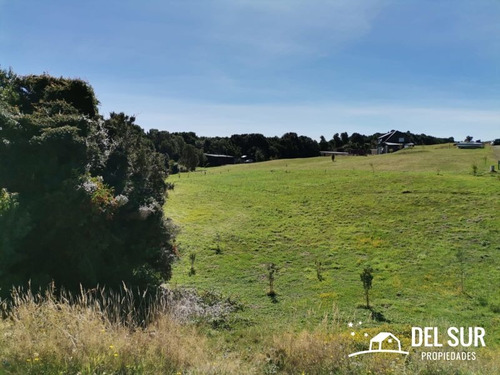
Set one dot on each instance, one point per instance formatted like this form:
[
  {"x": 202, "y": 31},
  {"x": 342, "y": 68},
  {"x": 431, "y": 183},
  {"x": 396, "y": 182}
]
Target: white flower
[{"x": 121, "y": 200}]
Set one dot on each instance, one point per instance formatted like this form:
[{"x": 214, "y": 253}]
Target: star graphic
[
  {"x": 352, "y": 333},
  {"x": 350, "y": 324},
  {"x": 366, "y": 334},
  {"x": 360, "y": 323}
]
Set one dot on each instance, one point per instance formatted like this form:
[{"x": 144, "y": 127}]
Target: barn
[{"x": 215, "y": 160}]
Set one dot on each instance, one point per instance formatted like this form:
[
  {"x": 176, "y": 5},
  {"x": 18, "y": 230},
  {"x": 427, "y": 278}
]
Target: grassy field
[
  {"x": 426, "y": 220},
  {"x": 406, "y": 214}
]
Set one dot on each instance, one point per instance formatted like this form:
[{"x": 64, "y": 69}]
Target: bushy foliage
[
  {"x": 188, "y": 149},
  {"x": 82, "y": 196}
]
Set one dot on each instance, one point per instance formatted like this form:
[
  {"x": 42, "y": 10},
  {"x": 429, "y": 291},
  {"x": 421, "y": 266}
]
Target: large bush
[{"x": 81, "y": 196}]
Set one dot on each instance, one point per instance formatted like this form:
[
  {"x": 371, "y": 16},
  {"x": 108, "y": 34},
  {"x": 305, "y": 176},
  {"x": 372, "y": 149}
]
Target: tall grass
[
  {"x": 99, "y": 331},
  {"x": 325, "y": 350}
]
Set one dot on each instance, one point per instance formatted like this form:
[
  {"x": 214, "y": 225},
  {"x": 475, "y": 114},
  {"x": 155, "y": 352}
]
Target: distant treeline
[{"x": 186, "y": 150}]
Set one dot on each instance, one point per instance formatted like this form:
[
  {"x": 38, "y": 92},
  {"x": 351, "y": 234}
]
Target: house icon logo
[{"x": 384, "y": 342}]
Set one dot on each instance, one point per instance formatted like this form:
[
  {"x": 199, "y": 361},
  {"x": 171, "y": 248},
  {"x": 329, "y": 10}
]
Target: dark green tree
[
  {"x": 345, "y": 138},
  {"x": 336, "y": 141},
  {"x": 323, "y": 144},
  {"x": 190, "y": 158},
  {"x": 82, "y": 197}
]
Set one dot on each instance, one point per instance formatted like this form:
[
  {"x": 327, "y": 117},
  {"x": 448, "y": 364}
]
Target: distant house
[
  {"x": 214, "y": 160},
  {"x": 393, "y": 141}
]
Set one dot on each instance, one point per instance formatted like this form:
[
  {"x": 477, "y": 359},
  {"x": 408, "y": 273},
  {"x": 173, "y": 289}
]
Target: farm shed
[{"x": 214, "y": 160}]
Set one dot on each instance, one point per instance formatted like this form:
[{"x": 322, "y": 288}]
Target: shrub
[
  {"x": 84, "y": 194},
  {"x": 474, "y": 169}
]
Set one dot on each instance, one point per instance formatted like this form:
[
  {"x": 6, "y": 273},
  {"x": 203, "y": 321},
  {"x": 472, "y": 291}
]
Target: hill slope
[{"x": 406, "y": 214}]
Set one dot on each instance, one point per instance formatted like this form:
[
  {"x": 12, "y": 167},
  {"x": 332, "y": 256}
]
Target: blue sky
[{"x": 220, "y": 67}]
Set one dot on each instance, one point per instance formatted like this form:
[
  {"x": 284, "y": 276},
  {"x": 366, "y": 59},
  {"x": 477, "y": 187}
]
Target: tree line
[{"x": 186, "y": 150}]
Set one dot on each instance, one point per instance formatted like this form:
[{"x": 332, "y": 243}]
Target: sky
[{"x": 314, "y": 67}]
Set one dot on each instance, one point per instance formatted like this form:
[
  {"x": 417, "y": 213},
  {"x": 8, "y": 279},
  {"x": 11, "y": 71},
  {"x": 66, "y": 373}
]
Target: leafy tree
[
  {"x": 168, "y": 144},
  {"x": 336, "y": 141},
  {"x": 82, "y": 197},
  {"x": 345, "y": 138},
  {"x": 190, "y": 158},
  {"x": 323, "y": 144},
  {"x": 357, "y": 141},
  {"x": 260, "y": 155},
  {"x": 366, "y": 278},
  {"x": 294, "y": 146},
  {"x": 189, "y": 138},
  {"x": 251, "y": 145}
]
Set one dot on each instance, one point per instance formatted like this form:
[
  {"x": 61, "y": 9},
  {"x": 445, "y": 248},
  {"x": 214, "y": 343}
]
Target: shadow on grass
[
  {"x": 273, "y": 296},
  {"x": 376, "y": 315}
]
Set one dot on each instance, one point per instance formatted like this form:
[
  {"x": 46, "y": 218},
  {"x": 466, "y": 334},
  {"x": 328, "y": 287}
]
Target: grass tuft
[{"x": 99, "y": 332}]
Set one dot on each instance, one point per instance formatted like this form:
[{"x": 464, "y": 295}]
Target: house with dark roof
[{"x": 393, "y": 141}]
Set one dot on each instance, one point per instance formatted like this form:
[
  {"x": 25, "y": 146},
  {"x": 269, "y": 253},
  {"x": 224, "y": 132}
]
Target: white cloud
[{"x": 291, "y": 27}]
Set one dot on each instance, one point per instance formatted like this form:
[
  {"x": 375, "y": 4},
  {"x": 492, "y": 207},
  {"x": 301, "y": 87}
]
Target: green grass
[{"x": 406, "y": 214}]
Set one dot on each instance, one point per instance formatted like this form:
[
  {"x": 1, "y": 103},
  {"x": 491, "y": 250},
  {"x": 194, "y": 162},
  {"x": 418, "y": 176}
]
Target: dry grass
[
  {"x": 48, "y": 334},
  {"x": 325, "y": 350},
  {"x": 320, "y": 353}
]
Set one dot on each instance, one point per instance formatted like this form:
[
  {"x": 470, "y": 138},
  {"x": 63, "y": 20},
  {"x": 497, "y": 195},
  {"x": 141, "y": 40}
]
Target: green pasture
[{"x": 405, "y": 214}]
